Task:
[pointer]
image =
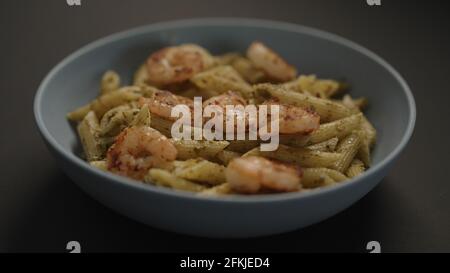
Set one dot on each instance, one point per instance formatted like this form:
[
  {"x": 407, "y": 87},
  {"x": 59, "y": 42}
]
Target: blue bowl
[{"x": 75, "y": 81}]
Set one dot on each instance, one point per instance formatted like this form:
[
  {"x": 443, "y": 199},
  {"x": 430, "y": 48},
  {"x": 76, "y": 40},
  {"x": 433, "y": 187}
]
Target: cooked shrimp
[
  {"x": 295, "y": 120},
  {"x": 177, "y": 64},
  {"x": 162, "y": 102},
  {"x": 228, "y": 98},
  {"x": 137, "y": 149},
  {"x": 233, "y": 99},
  {"x": 270, "y": 62},
  {"x": 253, "y": 174}
]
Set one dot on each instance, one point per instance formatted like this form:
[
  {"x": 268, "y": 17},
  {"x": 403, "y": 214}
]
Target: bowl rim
[{"x": 224, "y": 21}]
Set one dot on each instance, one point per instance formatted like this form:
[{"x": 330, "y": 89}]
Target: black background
[{"x": 41, "y": 209}]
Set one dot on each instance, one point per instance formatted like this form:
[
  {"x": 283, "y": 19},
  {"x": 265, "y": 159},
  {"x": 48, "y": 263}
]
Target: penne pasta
[
  {"x": 164, "y": 178},
  {"x": 241, "y": 146},
  {"x": 110, "y": 82},
  {"x": 222, "y": 79},
  {"x": 315, "y": 179},
  {"x": 79, "y": 113},
  {"x": 142, "y": 118},
  {"x": 200, "y": 170},
  {"x": 309, "y": 84},
  {"x": 162, "y": 125},
  {"x": 354, "y": 104},
  {"x": 339, "y": 128},
  {"x": 220, "y": 190},
  {"x": 356, "y": 168},
  {"x": 99, "y": 164},
  {"x": 325, "y": 146},
  {"x": 328, "y": 110},
  {"x": 117, "y": 119},
  {"x": 348, "y": 147},
  {"x": 188, "y": 149},
  {"x": 248, "y": 70},
  {"x": 369, "y": 131},
  {"x": 301, "y": 156},
  {"x": 364, "y": 150},
  {"x": 88, "y": 131},
  {"x": 335, "y": 175},
  {"x": 113, "y": 99}
]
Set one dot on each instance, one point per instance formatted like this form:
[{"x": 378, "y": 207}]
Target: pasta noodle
[{"x": 110, "y": 82}]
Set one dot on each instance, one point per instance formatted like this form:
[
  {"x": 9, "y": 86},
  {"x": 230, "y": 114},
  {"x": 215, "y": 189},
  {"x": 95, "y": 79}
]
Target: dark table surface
[{"x": 41, "y": 209}]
